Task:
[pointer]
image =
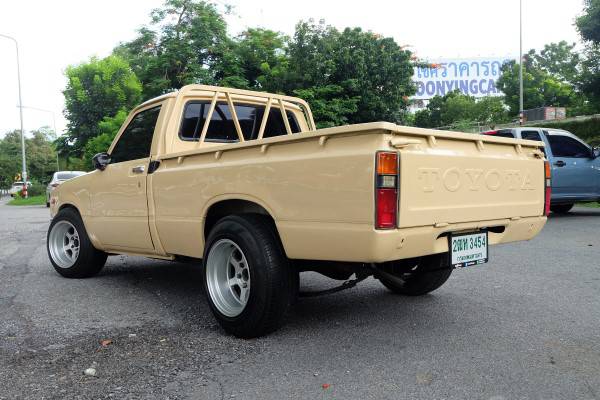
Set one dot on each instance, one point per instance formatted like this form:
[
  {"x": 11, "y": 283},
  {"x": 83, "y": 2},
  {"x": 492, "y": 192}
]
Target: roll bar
[{"x": 232, "y": 95}]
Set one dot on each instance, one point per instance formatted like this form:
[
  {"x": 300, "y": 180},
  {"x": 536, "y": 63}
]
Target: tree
[
  {"x": 589, "y": 81},
  {"x": 108, "y": 129},
  {"x": 41, "y": 157},
  {"x": 541, "y": 87},
  {"x": 329, "y": 104},
  {"x": 97, "y": 89},
  {"x": 588, "y": 23},
  {"x": 459, "y": 111},
  {"x": 354, "y": 76},
  {"x": 261, "y": 59},
  {"x": 186, "y": 43},
  {"x": 560, "y": 60},
  {"x": 491, "y": 111}
]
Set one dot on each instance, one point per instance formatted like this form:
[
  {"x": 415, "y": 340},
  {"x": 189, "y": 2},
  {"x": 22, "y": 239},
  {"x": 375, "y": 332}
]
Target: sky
[{"x": 55, "y": 34}]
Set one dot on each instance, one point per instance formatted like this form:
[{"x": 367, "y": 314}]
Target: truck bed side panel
[{"x": 301, "y": 181}]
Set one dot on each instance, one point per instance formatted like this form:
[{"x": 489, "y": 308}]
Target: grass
[
  {"x": 595, "y": 205},
  {"x": 30, "y": 201}
]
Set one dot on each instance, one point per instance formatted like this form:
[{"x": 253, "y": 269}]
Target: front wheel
[
  {"x": 416, "y": 276},
  {"x": 70, "y": 249},
  {"x": 248, "y": 280},
  {"x": 561, "y": 208}
]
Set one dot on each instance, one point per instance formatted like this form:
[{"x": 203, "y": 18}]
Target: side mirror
[{"x": 100, "y": 161}]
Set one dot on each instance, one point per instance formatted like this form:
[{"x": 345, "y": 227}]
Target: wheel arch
[
  {"x": 235, "y": 206},
  {"x": 91, "y": 235},
  {"x": 69, "y": 205}
]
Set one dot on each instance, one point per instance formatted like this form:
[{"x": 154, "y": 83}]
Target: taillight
[
  {"x": 548, "y": 187},
  {"x": 386, "y": 190}
]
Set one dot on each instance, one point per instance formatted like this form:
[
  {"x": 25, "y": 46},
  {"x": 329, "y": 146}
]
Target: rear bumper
[{"x": 362, "y": 243}]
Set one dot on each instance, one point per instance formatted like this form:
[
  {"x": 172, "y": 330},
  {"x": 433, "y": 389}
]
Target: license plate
[{"x": 468, "y": 249}]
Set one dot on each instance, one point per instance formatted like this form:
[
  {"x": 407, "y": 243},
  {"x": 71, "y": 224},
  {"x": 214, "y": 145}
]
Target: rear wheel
[
  {"x": 70, "y": 249},
  {"x": 561, "y": 208},
  {"x": 416, "y": 276},
  {"x": 248, "y": 281}
]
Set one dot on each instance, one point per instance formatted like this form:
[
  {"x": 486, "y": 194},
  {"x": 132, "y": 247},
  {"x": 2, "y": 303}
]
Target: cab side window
[
  {"x": 565, "y": 146},
  {"x": 136, "y": 140}
]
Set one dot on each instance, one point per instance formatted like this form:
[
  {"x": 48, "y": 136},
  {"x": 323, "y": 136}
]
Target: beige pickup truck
[{"x": 243, "y": 184}]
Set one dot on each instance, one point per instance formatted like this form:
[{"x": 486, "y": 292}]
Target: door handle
[
  {"x": 560, "y": 163},
  {"x": 138, "y": 169}
]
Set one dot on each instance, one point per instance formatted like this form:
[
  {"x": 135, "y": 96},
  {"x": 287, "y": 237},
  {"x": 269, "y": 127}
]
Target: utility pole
[
  {"x": 53, "y": 124},
  {"x": 521, "y": 63},
  {"x": 23, "y": 161}
]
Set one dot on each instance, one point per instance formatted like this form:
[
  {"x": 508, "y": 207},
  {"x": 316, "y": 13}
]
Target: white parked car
[
  {"x": 17, "y": 187},
  {"x": 58, "y": 178}
]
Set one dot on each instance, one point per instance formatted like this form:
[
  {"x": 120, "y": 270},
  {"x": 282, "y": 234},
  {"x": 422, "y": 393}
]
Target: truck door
[
  {"x": 119, "y": 204},
  {"x": 574, "y": 172}
]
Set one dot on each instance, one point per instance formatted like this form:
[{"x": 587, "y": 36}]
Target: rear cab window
[
  {"x": 505, "y": 133},
  {"x": 221, "y": 128},
  {"x": 531, "y": 135}
]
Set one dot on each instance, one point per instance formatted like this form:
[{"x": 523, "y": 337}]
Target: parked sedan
[{"x": 58, "y": 178}]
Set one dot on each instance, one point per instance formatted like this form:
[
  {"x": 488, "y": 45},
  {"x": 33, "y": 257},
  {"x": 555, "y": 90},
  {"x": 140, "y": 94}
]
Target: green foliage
[
  {"x": 491, "y": 111},
  {"x": 560, "y": 60},
  {"x": 366, "y": 70},
  {"x": 36, "y": 189},
  {"x": 186, "y": 43},
  {"x": 588, "y": 23},
  {"x": 108, "y": 129},
  {"x": 542, "y": 84},
  {"x": 458, "y": 111},
  {"x": 329, "y": 105},
  {"x": 349, "y": 76},
  {"x": 96, "y": 89},
  {"x": 589, "y": 81},
  {"x": 261, "y": 58},
  {"x": 40, "y": 155}
]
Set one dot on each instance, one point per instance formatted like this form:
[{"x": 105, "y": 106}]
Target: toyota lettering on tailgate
[{"x": 454, "y": 179}]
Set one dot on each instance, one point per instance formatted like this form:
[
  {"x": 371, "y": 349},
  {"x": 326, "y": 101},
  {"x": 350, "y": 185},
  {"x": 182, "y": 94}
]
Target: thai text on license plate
[{"x": 468, "y": 249}]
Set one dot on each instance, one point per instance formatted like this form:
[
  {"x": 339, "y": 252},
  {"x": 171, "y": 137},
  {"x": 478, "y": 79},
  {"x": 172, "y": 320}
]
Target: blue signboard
[{"x": 474, "y": 76}]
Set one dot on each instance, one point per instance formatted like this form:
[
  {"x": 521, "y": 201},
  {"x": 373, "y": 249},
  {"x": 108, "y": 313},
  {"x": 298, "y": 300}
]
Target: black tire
[
  {"x": 47, "y": 204},
  {"x": 273, "y": 282},
  {"x": 89, "y": 260},
  {"x": 418, "y": 276},
  {"x": 561, "y": 208}
]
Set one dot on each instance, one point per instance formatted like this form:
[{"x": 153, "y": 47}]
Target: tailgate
[{"x": 451, "y": 181}]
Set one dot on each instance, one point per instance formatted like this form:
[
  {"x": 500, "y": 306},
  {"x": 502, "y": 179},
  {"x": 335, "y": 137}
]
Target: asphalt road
[{"x": 524, "y": 326}]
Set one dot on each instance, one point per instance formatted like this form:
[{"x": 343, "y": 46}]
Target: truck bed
[{"x": 318, "y": 187}]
